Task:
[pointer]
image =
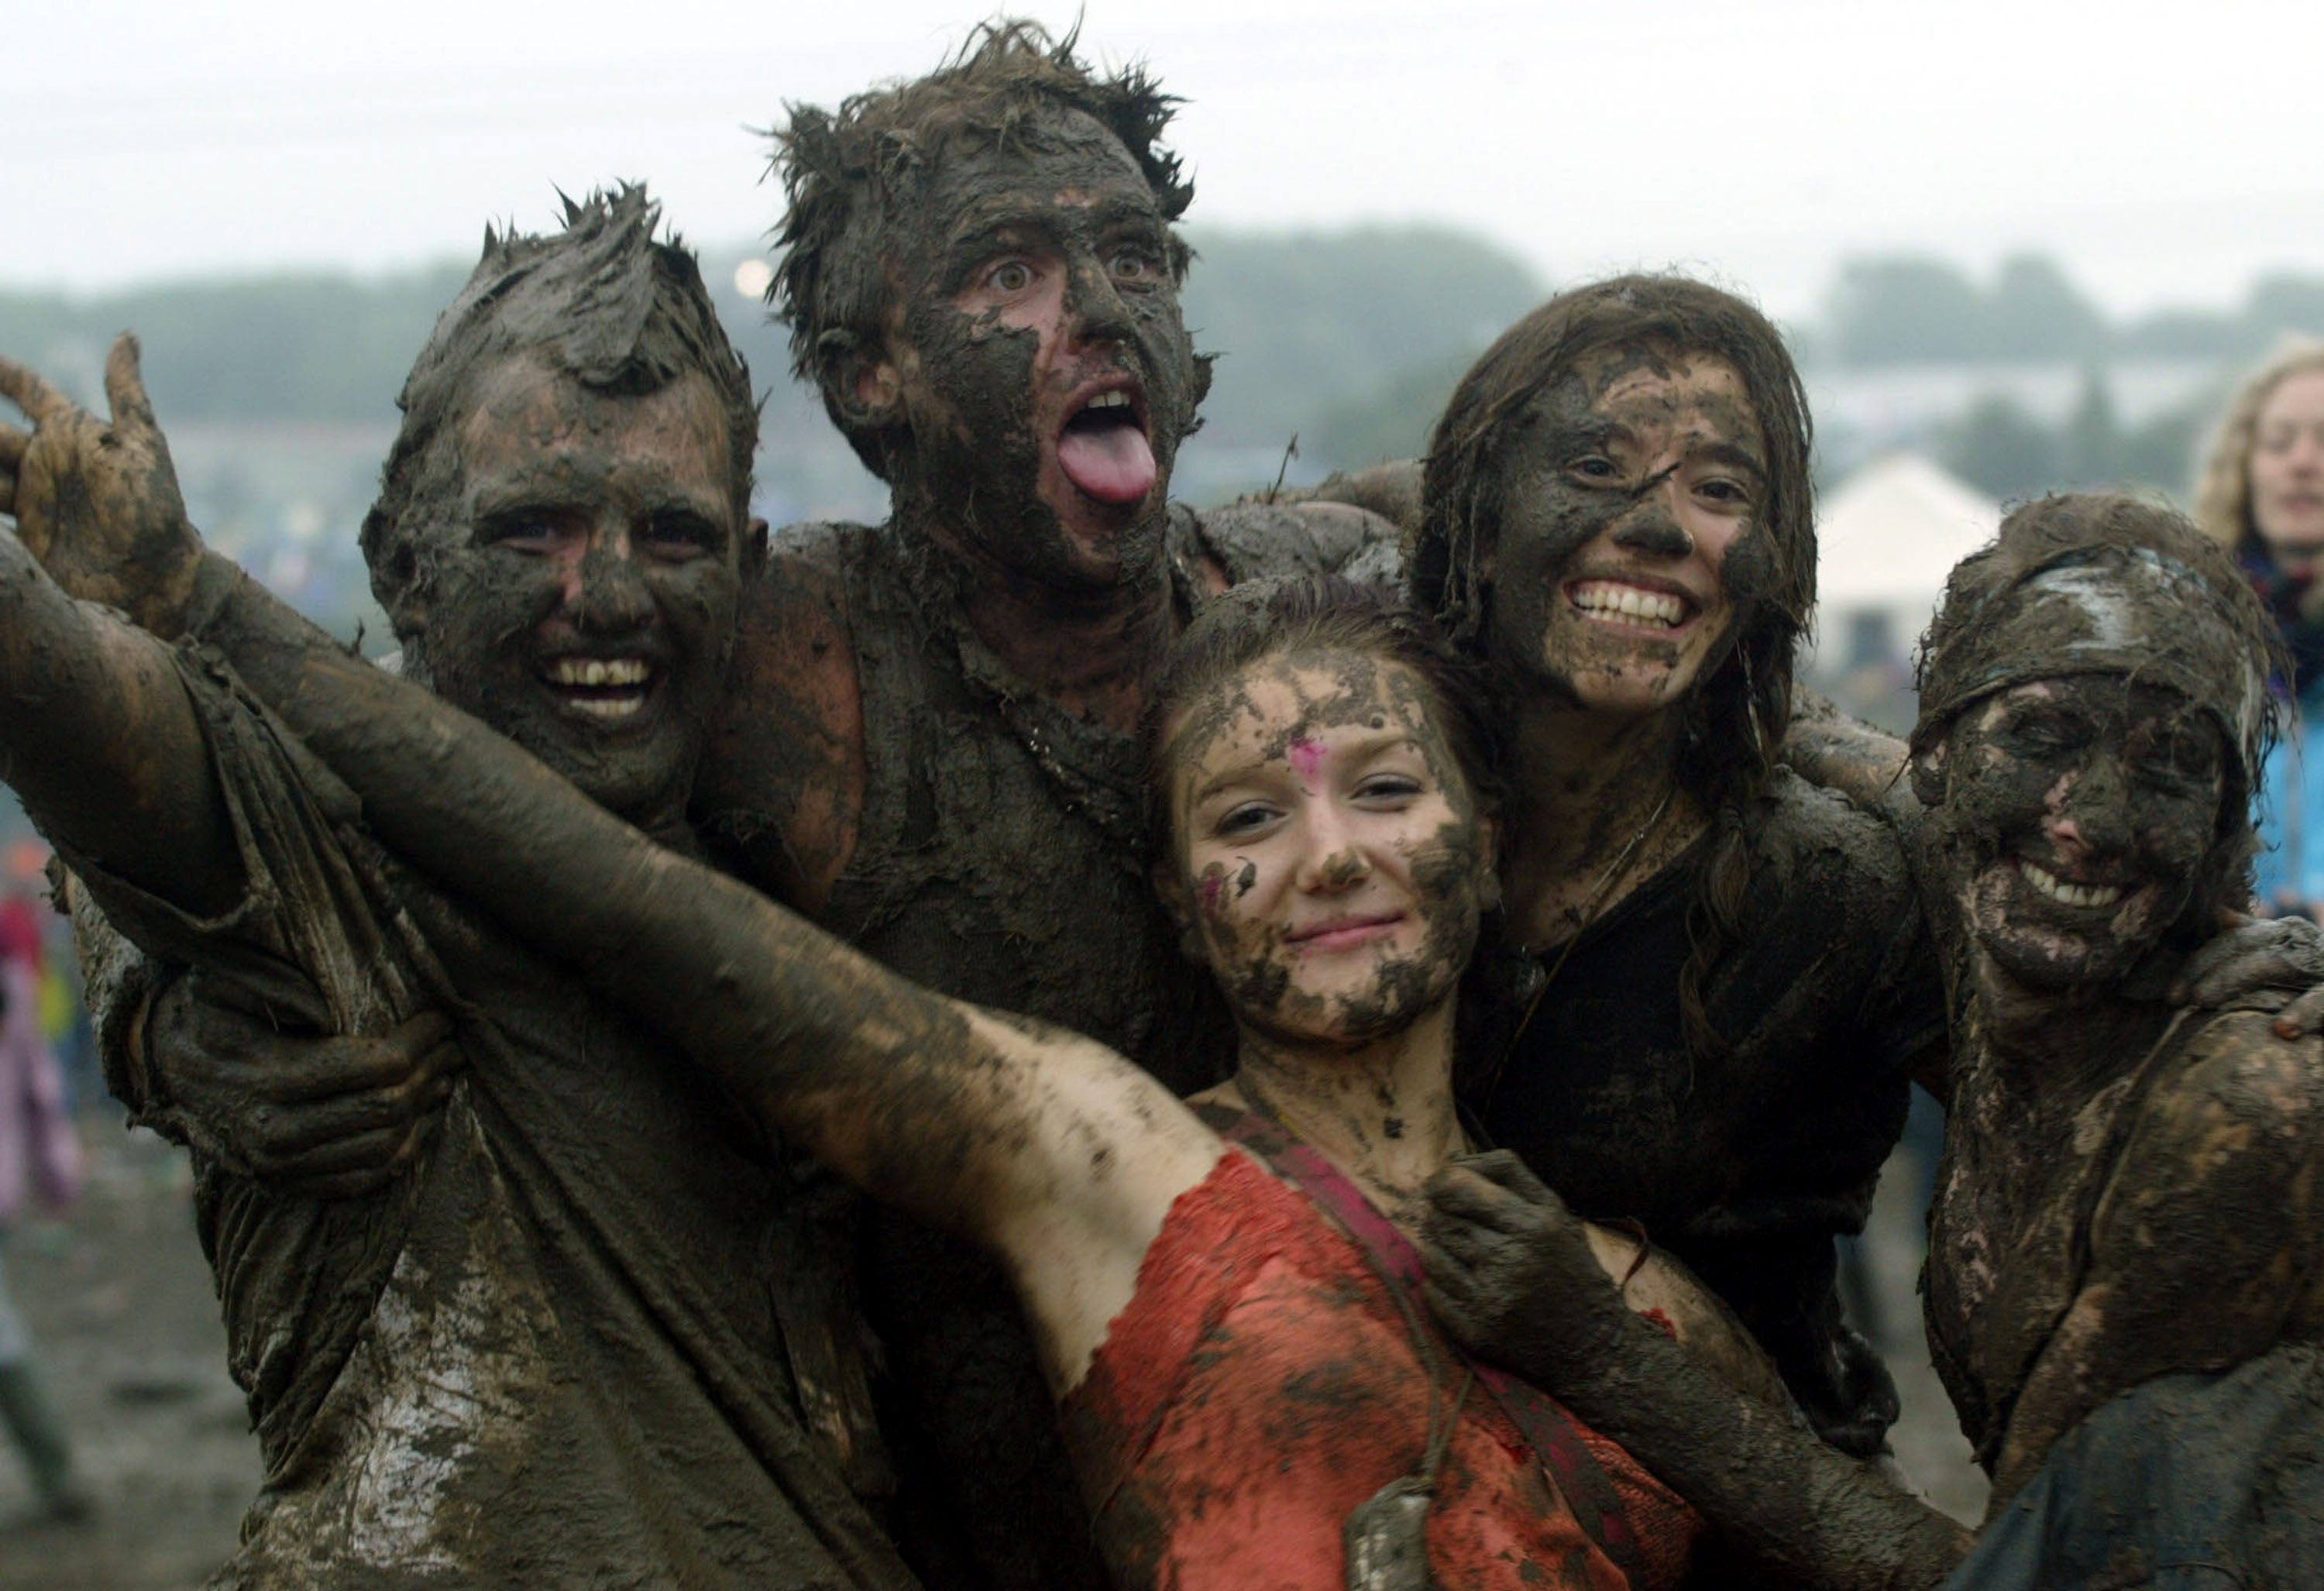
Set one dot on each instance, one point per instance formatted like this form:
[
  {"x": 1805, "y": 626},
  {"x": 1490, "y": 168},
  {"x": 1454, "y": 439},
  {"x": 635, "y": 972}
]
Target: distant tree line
[
  {"x": 1914, "y": 309},
  {"x": 1350, "y": 339}
]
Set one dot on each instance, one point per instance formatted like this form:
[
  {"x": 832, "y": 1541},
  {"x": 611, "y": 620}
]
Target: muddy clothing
[
  {"x": 1002, "y": 858},
  {"x": 2188, "y": 1483},
  {"x": 1748, "y": 1163},
  {"x": 1262, "y": 1385},
  {"x": 547, "y": 1355}
]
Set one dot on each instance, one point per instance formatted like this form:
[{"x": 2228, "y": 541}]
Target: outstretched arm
[
  {"x": 96, "y": 731},
  {"x": 1048, "y": 1147},
  {"x": 1512, "y": 1274}
]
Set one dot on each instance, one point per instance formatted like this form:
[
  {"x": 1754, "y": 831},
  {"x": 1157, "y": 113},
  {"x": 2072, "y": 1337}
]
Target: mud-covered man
[
  {"x": 551, "y": 1353},
  {"x": 929, "y": 740}
]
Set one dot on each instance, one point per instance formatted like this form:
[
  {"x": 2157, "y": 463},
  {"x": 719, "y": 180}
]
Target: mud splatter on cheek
[
  {"x": 1246, "y": 879},
  {"x": 1211, "y": 886}
]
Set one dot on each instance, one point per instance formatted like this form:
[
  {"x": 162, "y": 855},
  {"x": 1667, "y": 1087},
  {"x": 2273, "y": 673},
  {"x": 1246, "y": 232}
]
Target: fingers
[
  {"x": 2303, "y": 1016},
  {"x": 1504, "y": 1168},
  {"x": 125, "y": 384},
  {"x": 2248, "y": 955},
  {"x": 23, "y": 386},
  {"x": 286, "y": 1132},
  {"x": 292, "y": 1070},
  {"x": 1458, "y": 1194}
]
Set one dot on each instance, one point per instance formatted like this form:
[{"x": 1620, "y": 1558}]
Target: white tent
[{"x": 1886, "y": 541}]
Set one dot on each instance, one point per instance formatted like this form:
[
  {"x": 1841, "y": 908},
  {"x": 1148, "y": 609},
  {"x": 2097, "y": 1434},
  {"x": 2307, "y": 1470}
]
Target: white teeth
[
  {"x": 598, "y": 671},
  {"x": 1109, "y": 401},
  {"x": 608, "y": 707},
  {"x": 1629, "y": 602},
  {"x": 2065, "y": 894}
]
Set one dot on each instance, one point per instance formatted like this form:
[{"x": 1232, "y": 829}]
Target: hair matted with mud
[
  {"x": 1309, "y": 616},
  {"x": 2223, "y": 485},
  {"x": 1737, "y": 716},
  {"x": 846, "y": 173},
  {"x": 2074, "y": 527},
  {"x": 600, "y": 301}
]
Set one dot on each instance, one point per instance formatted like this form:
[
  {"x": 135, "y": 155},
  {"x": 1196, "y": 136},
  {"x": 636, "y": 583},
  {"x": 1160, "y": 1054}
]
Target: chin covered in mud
[{"x": 2121, "y": 1278}]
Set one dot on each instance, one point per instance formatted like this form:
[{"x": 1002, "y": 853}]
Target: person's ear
[
  {"x": 1928, "y": 766},
  {"x": 864, "y": 384},
  {"x": 1488, "y": 860},
  {"x": 1178, "y": 906}
]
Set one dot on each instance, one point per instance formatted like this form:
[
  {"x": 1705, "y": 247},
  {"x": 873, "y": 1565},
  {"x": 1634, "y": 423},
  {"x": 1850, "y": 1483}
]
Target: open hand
[
  {"x": 1511, "y": 1272},
  {"x": 97, "y": 504}
]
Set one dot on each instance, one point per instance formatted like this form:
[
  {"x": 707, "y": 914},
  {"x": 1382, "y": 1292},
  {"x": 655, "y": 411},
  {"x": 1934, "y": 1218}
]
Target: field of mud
[{"x": 119, "y": 1300}]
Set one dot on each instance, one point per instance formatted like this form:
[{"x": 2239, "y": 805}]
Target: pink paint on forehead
[{"x": 1307, "y": 757}]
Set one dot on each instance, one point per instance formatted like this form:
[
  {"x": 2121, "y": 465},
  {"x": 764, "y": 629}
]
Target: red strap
[{"x": 1540, "y": 1419}]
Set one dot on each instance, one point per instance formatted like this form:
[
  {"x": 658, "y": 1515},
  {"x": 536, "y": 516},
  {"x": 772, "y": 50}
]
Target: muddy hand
[
  {"x": 329, "y": 1117},
  {"x": 1510, "y": 1271},
  {"x": 2259, "y": 964},
  {"x": 98, "y": 503}
]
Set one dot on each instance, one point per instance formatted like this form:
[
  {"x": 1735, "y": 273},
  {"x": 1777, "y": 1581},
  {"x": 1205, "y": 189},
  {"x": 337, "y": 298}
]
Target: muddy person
[
  {"x": 929, "y": 742},
  {"x": 1329, "y": 852},
  {"x": 2121, "y": 1283},
  {"x": 552, "y": 1353}
]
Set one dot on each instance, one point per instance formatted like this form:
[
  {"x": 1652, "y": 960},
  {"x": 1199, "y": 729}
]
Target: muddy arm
[
  {"x": 1391, "y": 491},
  {"x": 1826, "y": 747},
  {"x": 101, "y": 742},
  {"x": 1512, "y": 1275},
  {"x": 2204, "y": 1244}
]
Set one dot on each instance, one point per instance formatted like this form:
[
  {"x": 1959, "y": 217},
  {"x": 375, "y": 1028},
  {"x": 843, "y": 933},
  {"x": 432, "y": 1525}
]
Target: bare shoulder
[{"x": 781, "y": 784}]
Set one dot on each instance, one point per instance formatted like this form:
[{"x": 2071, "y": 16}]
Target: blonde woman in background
[{"x": 2262, "y": 496}]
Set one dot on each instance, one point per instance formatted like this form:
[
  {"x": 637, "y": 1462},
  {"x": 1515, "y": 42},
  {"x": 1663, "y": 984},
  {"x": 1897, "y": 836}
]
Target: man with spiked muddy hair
[
  {"x": 552, "y": 1351},
  {"x": 929, "y": 737}
]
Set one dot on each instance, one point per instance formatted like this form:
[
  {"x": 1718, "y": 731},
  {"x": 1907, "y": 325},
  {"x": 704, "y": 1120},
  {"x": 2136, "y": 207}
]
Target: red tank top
[{"x": 1262, "y": 1382}]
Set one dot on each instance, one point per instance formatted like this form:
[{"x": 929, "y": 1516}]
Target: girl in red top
[{"x": 1228, "y": 1309}]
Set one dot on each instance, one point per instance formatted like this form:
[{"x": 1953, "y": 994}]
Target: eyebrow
[{"x": 1374, "y": 743}]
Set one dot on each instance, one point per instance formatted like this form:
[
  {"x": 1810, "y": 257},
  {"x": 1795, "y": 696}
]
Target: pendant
[{"x": 1387, "y": 1537}]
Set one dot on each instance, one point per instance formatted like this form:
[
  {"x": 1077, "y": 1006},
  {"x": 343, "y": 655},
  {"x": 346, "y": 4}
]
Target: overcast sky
[{"x": 2166, "y": 152}]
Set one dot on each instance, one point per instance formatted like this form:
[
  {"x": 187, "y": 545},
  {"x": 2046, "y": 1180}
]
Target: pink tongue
[{"x": 1112, "y": 464}]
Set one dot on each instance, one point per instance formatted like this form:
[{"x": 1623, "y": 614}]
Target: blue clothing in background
[{"x": 2290, "y": 812}]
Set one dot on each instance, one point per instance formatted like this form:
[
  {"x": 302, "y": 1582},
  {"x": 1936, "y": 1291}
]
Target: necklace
[{"x": 1590, "y": 906}]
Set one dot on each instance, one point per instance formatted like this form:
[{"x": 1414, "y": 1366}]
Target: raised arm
[
  {"x": 97, "y": 733},
  {"x": 1050, "y": 1149}
]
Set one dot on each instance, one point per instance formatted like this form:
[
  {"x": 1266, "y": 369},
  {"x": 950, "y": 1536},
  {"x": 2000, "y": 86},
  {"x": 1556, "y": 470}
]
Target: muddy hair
[
  {"x": 1734, "y": 720},
  {"x": 2070, "y": 527},
  {"x": 848, "y": 174},
  {"x": 1305, "y": 616},
  {"x": 601, "y": 302},
  {"x": 2223, "y": 484}
]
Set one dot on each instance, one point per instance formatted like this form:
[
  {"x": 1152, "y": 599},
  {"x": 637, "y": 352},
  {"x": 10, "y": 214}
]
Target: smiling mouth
[
  {"x": 1617, "y": 601},
  {"x": 609, "y": 689},
  {"x": 1103, "y": 449},
  {"x": 2065, "y": 891},
  {"x": 1345, "y": 932}
]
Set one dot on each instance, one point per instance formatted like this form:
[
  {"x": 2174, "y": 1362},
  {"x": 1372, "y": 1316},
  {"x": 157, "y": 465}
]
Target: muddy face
[
  {"x": 2076, "y": 816},
  {"x": 1627, "y": 525},
  {"x": 1328, "y": 849},
  {"x": 2287, "y": 468},
  {"x": 577, "y": 589},
  {"x": 1037, "y": 354}
]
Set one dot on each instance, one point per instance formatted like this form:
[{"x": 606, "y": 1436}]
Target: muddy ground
[{"x": 120, "y": 1302}]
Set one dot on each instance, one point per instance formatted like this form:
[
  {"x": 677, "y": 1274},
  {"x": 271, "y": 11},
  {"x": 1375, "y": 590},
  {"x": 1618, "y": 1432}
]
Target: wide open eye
[{"x": 1011, "y": 276}]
